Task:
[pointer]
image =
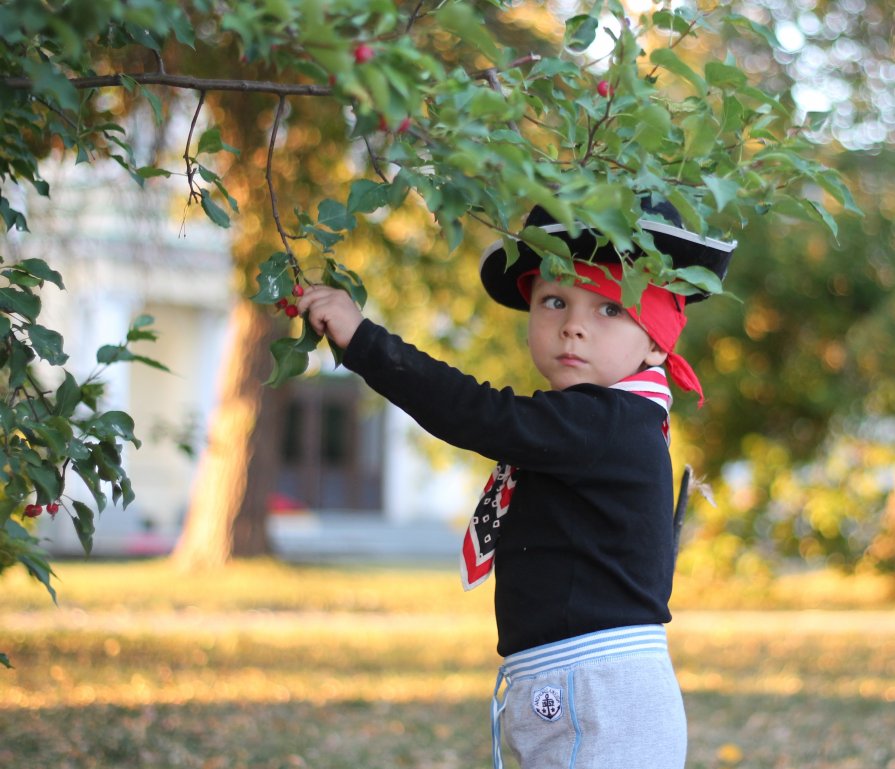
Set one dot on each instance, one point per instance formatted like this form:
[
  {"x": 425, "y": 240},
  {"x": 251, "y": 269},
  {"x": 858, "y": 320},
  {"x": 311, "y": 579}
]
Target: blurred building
[{"x": 353, "y": 480}]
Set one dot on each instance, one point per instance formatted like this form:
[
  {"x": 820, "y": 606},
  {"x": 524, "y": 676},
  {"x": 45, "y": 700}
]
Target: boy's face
[{"x": 579, "y": 337}]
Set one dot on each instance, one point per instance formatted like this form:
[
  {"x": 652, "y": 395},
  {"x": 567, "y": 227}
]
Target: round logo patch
[{"x": 547, "y": 703}]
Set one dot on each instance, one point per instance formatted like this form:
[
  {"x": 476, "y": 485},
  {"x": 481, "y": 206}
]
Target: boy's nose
[{"x": 571, "y": 329}]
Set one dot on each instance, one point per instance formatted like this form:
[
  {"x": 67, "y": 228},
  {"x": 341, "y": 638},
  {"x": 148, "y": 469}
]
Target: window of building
[{"x": 332, "y": 447}]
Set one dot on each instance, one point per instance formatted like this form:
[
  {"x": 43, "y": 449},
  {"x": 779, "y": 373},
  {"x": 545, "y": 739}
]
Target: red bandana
[{"x": 480, "y": 540}]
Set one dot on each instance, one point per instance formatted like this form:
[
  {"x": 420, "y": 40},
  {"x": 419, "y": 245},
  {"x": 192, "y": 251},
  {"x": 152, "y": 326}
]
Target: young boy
[{"x": 577, "y": 517}]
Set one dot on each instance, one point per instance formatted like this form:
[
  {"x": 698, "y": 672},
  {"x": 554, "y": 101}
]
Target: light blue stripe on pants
[{"x": 605, "y": 700}]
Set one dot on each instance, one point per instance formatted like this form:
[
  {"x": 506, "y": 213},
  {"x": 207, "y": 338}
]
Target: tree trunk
[{"x": 227, "y": 513}]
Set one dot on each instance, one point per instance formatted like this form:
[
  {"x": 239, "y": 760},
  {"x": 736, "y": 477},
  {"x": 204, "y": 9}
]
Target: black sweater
[{"x": 587, "y": 542}]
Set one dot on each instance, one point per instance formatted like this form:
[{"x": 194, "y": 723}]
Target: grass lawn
[{"x": 269, "y": 666}]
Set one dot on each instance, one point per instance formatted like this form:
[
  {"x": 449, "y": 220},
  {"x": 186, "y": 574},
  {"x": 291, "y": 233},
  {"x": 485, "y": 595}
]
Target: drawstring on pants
[{"x": 498, "y": 703}]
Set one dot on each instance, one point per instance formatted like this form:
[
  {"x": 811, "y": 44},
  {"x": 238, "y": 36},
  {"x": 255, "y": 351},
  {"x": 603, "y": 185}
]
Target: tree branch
[{"x": 184, "y": 81}]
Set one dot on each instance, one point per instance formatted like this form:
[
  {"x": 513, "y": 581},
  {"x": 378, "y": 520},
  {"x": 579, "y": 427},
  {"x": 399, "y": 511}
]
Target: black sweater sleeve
[
  {"x": 587, "y": 544},
  {"x": 548, "y": 431}
]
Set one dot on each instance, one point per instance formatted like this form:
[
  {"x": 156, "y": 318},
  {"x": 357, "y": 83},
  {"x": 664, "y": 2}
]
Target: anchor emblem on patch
[{"x": 547, "y": 703}]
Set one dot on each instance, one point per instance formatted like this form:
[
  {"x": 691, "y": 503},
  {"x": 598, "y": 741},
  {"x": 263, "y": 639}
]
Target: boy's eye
[
  {"x": 611, "y": 310},
  {"x": 553, "y": 303}
]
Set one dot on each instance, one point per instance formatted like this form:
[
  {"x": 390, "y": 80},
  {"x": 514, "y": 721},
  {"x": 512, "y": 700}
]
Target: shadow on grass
[
  {"x": 250, "y": 736},
  {"x": 748, "y": 732}
]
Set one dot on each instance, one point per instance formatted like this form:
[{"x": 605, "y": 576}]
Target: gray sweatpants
[{"x": 606, "y": 700}]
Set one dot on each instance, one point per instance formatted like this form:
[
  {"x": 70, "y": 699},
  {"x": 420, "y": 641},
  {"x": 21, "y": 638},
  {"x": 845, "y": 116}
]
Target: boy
[{"x": 581, "y": 498}]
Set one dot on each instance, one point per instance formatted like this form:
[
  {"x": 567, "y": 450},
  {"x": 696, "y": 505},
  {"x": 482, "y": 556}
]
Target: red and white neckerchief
[{"x": 480, "y": 540}]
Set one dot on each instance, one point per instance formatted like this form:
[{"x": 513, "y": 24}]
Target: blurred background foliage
[{"x": 795, "y": 440}]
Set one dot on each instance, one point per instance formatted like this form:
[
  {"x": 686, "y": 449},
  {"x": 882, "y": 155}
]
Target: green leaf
[
  {"x": 113, "y": 424},
  {"x": 832, "y": 183},
  {"x": 700, "y": 132},
  {"x": 580, "y": 32},
  {"x": 366, "y": 196},
  {"x": 214, "y": 212},
  {"x": 24, "y": 303},
  {"x": 113, "y": 353},
  {"x": 761, "y": 30},
  {"x": 825, "y": 215},
  {"x": 461, "y": 20},
  {"x": 700, "y": 278},
  {"x": 11, "y": 217},
  {"x": 690, "y": 216},
  {"x": 84, "y": 527},
  {"x": 333, "y": 214},
  {"x": 56, "y": 434},
  {"x": 289, "y": 360},
  {"x": 47, "y": 344},
  {"x": 39, "y": 269},
  {"x": 668, "y": 59},
  {"x": 338, "y": 276},
  {"x": 542, "y": 242},
  {"x": 4, "y": 660},
  {"x": 724, "y": 76},
  {"x": 46, "y": 480},
  {"x": 139, "y": 329},
  {"x": 673, "y": 22},
  {"x": 634, "y": 283},
  {"x": 211, "y": 142},
  {"x": 151, "y": 362},
  {"x": 511, "y": 248},
  {"x": 723, "y": 190},
  {"x": 147, "y": 172},
  {"x": 275, "y": 279},
  {"x": 156, "y": 105},
  {"x": 653, "y": 126}
]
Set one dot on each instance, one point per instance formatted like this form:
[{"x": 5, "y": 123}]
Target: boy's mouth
[{"x": 569, "y": 359}]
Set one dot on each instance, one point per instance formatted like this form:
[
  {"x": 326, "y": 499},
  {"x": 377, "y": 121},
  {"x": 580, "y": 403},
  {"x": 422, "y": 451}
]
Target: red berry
[
  {"x": 363, "y": 53},
  {"x": 291, "y": 311},
  {"x": 32, "y": 511},
  {"x": 282, "y": 302},
  {"x": 332, "y": 80},
  {"x": 383, "y": 123},
  {"x": 404, "y": 125},
  {"x": 53, "y": 508},
  {"x": 297, "y": 290},
  {"x": 604, "y": 89}
]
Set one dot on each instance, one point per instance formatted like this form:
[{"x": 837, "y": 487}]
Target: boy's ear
[{"x": 655, "y": 356}]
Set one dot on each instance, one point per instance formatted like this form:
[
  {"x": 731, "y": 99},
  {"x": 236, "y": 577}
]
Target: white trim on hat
[{"x": 647, "y": 224}]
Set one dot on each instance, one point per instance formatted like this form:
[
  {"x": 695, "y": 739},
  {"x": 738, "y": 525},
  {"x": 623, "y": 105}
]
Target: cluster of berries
[
  {"x": 32, "y": 511},
  {"x": 283, "y": 303}
]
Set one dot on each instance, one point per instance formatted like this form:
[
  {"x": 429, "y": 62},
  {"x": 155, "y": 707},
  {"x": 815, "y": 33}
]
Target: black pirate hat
[{"x": 685, "y": 248}]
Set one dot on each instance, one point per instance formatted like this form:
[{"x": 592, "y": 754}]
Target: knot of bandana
[{"x": 480, "y": 539}]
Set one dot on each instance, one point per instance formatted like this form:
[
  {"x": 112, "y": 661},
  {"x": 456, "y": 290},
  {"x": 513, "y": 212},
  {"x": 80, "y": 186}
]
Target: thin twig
[
  {"x": 284, "y": 236},
  {"x": 190, "y": 170},
  {"x": 483, "y": 74},
  {"x": 491, "y": 77},
  {"x": 374, "y": 161},
  {"x": 159, "y": 62},
  {"x": 414, "y": 15}
]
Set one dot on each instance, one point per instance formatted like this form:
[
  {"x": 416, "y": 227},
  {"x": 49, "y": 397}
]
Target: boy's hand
[{"x": 331, "y": 313}]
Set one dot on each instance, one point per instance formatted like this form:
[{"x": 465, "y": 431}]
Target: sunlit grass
[{"x": 266, "y": 665}]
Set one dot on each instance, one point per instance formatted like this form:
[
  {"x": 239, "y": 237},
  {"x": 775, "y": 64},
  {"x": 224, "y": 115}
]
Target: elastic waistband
[{"x": 636, "y": 639}]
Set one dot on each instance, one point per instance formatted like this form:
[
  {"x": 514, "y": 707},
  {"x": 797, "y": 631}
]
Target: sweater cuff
[{"x": 359, "y": 347}]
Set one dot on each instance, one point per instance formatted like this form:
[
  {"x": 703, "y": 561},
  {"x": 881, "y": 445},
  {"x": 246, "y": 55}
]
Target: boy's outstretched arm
[{"x": 331, "y": 312}]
